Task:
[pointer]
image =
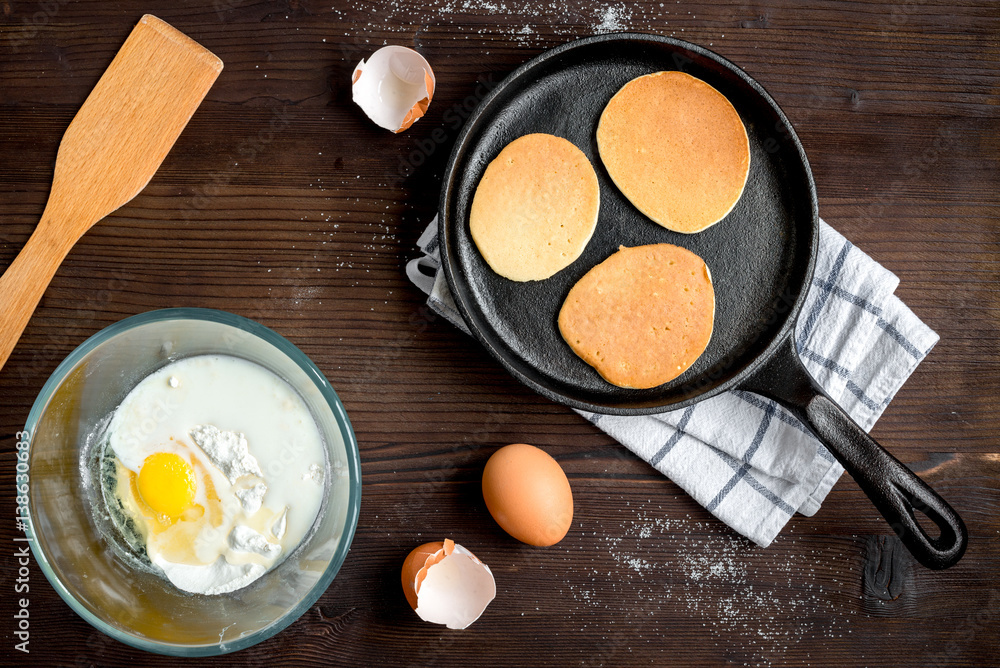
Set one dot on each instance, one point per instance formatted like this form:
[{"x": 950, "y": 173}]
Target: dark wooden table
[{"x": 283, "y": 203}]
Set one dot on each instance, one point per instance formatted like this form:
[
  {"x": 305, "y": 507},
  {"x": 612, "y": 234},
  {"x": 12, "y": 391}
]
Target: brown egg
[{"x": 528, "y": 494}]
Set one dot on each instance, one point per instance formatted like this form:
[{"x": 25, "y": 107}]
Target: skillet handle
[{"x": 895, "y": 490}]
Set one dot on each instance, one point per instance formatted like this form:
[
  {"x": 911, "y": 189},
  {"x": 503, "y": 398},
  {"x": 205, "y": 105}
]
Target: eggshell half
[
  {"x": 446, "y": 584},
  {"x": 528, "y": 494},
  {"x": 393, "y": 87},
  {"x": 414, "y": 563}
]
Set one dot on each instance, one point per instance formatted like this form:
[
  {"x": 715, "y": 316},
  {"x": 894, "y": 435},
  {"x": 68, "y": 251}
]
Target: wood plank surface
[{"x": 281, "y": 202}]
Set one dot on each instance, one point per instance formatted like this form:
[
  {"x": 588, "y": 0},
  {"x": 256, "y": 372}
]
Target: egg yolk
[{"x": 167, "y": 483}]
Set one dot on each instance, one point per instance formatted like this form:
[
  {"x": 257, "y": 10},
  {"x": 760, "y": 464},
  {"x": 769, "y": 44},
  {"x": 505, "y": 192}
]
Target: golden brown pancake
[
  {"x": 676, "y": 148},
  {"x": 641, "y": 317},
  {"x": 535, "y": 208}
]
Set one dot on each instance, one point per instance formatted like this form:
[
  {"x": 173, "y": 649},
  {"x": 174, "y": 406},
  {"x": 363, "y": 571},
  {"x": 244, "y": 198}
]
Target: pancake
[
  {"x": 676, "y": 148},
  {"x": 535, "y": 208},
  {"x": 641, "y": 317}
]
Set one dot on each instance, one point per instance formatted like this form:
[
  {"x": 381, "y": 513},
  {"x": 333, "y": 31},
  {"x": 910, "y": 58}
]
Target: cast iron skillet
[{"x": 761, "y": 257}]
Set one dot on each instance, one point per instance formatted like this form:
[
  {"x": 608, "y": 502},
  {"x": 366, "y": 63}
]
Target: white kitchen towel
[{"x": 743, "y": 457}]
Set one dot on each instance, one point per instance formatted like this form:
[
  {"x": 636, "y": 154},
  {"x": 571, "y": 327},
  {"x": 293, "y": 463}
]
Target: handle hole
[
  {"x": 929, "y": 520},
  {"x": 929, "y": 526}
]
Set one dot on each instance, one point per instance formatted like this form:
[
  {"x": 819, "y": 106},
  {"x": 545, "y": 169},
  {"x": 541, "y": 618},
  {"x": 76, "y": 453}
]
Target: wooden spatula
[{"x": 109, "y": 153}]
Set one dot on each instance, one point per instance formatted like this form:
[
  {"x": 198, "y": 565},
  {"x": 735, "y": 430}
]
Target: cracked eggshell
[
  {"x": 446, "y": 584},
  {"x": 393, "y": 87}
]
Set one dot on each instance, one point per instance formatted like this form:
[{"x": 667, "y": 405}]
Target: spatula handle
[{"x": 24, "y": 282}]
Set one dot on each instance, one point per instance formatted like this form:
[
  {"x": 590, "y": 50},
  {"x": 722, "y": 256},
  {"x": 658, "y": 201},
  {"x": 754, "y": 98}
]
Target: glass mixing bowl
[{"x": 69, "y": 522}]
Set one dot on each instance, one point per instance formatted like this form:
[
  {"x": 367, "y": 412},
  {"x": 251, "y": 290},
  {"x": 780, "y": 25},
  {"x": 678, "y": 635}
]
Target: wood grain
[
  {"x": 110, "y": 151},
  {"x": 281, "y": 202}
]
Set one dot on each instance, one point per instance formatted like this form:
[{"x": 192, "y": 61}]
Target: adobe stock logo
[
  {"x": 30, "y": 25},
  {"x": 453, "y": 119}
]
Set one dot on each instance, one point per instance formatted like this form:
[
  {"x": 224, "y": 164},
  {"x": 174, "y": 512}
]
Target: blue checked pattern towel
[{"x": 741, "y": 456}]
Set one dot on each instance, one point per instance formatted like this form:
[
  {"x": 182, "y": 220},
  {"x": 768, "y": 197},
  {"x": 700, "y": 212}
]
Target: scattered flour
[
  {"x": 477, "y": 17},
  {"x": 614, "y": 19},
  {"x": 758, "y": 604}
]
